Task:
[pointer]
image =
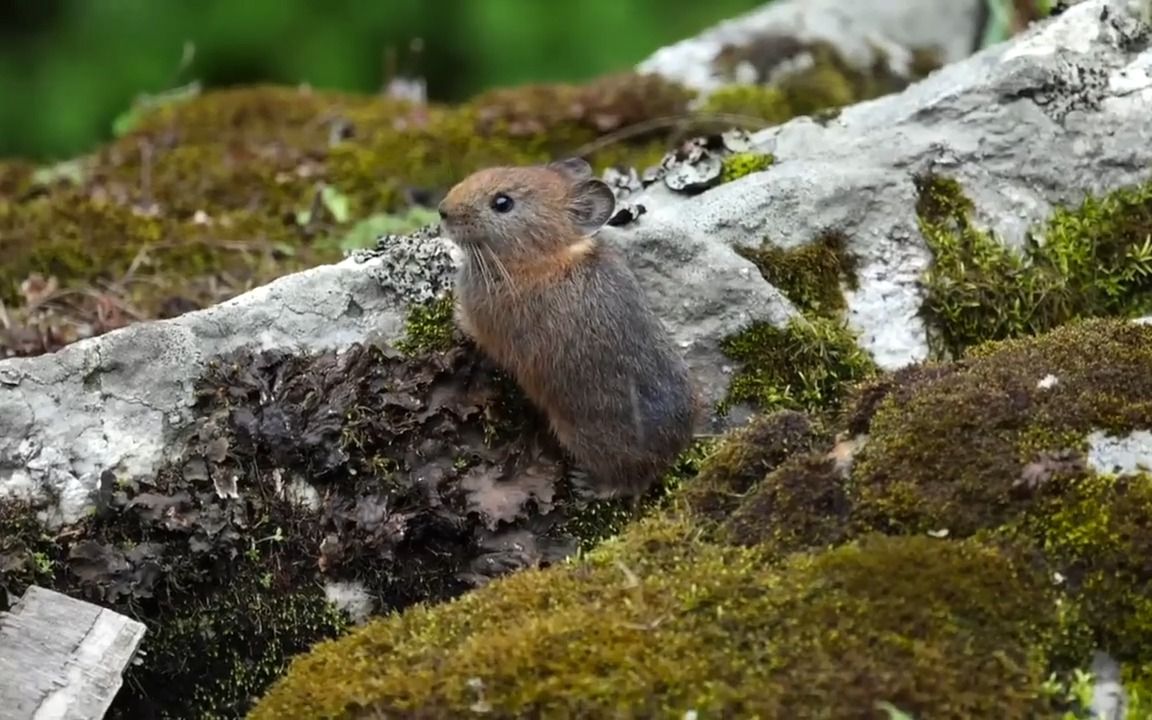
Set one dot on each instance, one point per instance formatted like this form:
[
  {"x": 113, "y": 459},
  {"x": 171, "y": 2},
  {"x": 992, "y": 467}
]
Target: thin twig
[{"x": 667, "y": 121}]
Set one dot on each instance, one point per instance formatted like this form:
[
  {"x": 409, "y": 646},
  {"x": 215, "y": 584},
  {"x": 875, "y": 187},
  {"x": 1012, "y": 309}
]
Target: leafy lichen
[{"x": 1093, "y": 260}]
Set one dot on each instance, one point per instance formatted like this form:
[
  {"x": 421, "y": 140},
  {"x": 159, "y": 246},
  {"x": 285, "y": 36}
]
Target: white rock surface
[
  {"x": 1127, "y": 455},
  {"x": 863, "y": 31}
]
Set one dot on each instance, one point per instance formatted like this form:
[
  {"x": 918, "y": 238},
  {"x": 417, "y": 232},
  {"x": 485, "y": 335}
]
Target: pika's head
[{"x": 516, "y": 211}]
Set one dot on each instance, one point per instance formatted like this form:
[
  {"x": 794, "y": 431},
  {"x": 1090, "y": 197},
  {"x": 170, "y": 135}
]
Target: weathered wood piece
[{"x": 62, "y": 658}]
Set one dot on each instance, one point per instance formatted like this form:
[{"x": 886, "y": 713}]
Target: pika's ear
[
  {"x": 591, "y": 205},
  {"x": 573, "y": 168}
]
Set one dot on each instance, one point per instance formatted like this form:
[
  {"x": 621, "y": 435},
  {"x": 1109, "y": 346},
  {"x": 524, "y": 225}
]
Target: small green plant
[{"x": 428, "y": 327}]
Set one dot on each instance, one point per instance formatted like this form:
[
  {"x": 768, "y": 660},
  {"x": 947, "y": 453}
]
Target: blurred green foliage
[{"x": 69, "y": 68}]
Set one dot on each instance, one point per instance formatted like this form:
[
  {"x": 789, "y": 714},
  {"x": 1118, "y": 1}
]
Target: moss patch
[
  {"x": 1093, "y": 260},
  {"x": 740, "y": 164},
  {"x": 807, "y": 365},
  {"x": 812, "y": 275},
  {"x": 954, "y": 453},
  {"x": 827, "y": 83},
  {"x": 429, "y": 327},
  {"x": 654, "y": 627}
]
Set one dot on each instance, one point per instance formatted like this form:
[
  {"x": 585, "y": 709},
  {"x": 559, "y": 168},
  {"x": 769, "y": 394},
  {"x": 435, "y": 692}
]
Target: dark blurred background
[{"x": 69, "y": 68}]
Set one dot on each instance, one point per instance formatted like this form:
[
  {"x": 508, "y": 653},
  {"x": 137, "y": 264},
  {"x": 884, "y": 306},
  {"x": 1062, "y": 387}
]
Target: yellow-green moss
[
  {"x": 429, "y": 327},
  {"x": 812, "y": 276},
  {"x": 809, "y": 364},
  {"x": 951, "y": 454},
  {"x": 740, "y": 164},
  {"x": 1089, "y": 261},
  {"x": 769, "y": 104},
  {"x": 656, "y": 625},
  {"x": 218, "y": 192},
  {"x": 86, "y": 242},
  {"x": 827, "y": 84}
]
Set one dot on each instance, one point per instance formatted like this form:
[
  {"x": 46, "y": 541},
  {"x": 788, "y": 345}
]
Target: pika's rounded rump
[{"x": 565, "y": 316}]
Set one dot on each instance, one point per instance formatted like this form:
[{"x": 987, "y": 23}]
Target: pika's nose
[{"x": 443, "y": 212}]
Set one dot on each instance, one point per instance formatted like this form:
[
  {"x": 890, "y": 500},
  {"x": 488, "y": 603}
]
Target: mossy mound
[
  {"x": 994, "y": 447},
  {"x": 795, "y": 576},
  {"x": 204, "y": 196},
  {"x": 958, "y": 452},
  {"x": 807, "y": 365},
  {"x": 656, "y": 625}
]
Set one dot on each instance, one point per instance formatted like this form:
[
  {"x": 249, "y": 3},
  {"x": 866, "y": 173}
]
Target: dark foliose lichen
[
  {"x": 385, "y": 478},
  {"x": 1093, "y": 260}
]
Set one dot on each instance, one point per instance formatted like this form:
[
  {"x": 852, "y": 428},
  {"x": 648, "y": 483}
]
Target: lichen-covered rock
[
  {"x": 792, "y": 574},
  {"x": 1068, "y": 118}
]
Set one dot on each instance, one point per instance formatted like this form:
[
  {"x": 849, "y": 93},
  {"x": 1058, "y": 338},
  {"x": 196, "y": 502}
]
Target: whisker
[{"x": 503, "y": 271}]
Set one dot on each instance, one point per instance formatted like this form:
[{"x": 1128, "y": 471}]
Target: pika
[{"x": 563, "y": 314}]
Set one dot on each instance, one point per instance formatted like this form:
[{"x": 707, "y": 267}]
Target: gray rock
[
  {"x": 117, "y": 403},
  {"x": 1059, "y": 112},
  {"x": 864, "y": 32}
]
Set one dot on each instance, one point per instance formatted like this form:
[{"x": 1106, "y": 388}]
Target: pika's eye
[{"x": 501, "y": 203}]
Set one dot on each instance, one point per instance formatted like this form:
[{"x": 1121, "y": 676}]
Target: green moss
[
  {"x": 769, "y": 104},
  {"x": 27, "y": 551},
  {"x": 740, "y": 164},
  {"x": 741, "y": 461},
  {"x": 811, "y": 275},
  {"x": 88, "y": 243},
  {"x": 809, "y": 364},
  {"x": 1094, "y": 260},
  {"x": 828, "y": 83},
  {"x": 952, "y": 454},
  {"x": 429, "y": 327},
  {"x": 215, "y": 193},
  {"x": 654, "y": 626},
  {"x": 226, "y": 649}
]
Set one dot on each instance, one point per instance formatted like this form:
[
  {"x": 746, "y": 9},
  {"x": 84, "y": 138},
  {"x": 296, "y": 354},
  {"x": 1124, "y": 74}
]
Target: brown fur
[{"x": 562, "y": 313}]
